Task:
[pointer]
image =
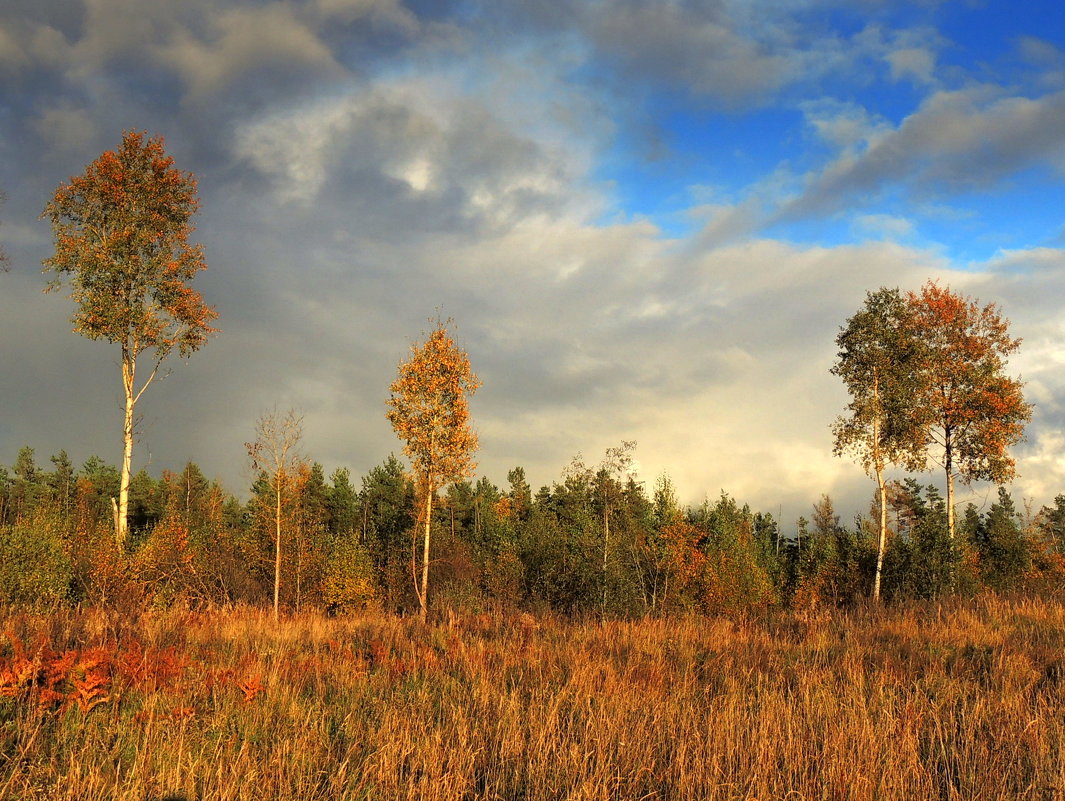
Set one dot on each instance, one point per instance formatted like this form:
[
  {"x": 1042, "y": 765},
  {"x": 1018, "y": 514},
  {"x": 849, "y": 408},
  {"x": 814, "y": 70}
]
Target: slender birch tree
[
  {"x": 974, "y": 411},
  {"x": 122, "y": 238},
  {"x": 429, "y": 409},
  {"x": 275, "y": 453},
  {"x": 883, "y": 426}
]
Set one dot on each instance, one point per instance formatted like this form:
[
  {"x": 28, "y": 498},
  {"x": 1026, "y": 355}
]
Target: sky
[{"x": 648, "y": 220}]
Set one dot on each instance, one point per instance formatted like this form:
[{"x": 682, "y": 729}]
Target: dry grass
[{"x": 959, "y": 701}]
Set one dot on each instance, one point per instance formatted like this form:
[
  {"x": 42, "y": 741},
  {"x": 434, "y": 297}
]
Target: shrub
[
  {"x": 348, "y": 583},
  {"x": 34, "y": 571}
]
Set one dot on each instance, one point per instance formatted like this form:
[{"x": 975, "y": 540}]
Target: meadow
[{"x": 963, "y": 699}]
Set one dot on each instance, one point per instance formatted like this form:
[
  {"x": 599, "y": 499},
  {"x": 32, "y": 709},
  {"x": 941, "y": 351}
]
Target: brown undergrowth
[{"x": 962, "y": 700}]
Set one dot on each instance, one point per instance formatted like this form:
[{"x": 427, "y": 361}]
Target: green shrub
[
  {"x": 348, "y": 583},
  {"x": 34, "y": 571}
]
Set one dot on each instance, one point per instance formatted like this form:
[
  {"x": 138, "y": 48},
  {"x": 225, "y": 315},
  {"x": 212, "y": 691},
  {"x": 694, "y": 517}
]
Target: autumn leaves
[
  {"x": 430, "y": 412},
  {"x": 925, "y": 371}
]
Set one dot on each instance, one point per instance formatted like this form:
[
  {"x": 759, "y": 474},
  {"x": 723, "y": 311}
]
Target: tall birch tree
[
  {"x": 122, "y": 239},
  {"x": 429, "y": 409},
  {"x": 883, "y": 426},
  {"x": 974, "y": 412}
]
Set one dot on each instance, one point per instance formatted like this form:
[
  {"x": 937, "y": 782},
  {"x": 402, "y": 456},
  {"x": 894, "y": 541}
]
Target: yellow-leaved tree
[{"x": 429, "y": 409}]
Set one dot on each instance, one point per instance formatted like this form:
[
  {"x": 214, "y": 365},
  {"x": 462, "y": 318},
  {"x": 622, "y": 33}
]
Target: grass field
[{"x": 964, "y": 700}]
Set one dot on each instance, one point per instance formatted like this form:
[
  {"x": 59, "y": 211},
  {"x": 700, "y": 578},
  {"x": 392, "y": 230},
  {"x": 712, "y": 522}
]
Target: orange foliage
[
  {"x": 126, "y": 222},
  {"x": 54, "y": 679},
  {"x": 974, "y": 410},
  {"x": 251, "y": 686},
  {"x": 504, "y": 508},
  {"x": 430, "y": 411}
]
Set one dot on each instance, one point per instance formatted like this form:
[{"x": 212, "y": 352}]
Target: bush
[
  {"x": 348, "y": 583},
  {"x": 34, "y": 571}
]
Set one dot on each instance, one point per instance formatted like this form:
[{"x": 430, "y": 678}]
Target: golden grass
[{"x": 958, "y": 701}]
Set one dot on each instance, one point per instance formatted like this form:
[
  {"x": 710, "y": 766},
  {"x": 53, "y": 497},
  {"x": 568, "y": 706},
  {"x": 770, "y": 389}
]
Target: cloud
[
  {"x": 12, "y": 55},
  {"x": 885, "y": 225},
  {"x": 365, "y": 163},
  {"x": 270, "y": 42},
  {"x": 388, "y": 14},
  {"x": 700, "y": 50},
  {"x": 67, "y": 128},
  {"x": 959, "y": 140},
  {"x": 913, "y": 63},
  {"x": 847, "y": 126},
  {"x": 431, "y": 152}
]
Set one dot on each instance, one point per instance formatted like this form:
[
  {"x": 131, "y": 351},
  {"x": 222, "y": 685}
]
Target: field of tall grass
[{"x": 961, "y": 700}]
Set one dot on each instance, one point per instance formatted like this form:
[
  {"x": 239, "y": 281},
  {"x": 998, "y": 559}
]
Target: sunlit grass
[{"x": 955, "y": 701}]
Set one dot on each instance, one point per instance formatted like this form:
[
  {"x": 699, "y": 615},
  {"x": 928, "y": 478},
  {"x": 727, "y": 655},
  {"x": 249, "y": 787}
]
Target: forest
[{"x": 594, "y": 542}]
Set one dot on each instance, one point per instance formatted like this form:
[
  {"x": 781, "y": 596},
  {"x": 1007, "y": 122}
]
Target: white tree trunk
[
  {"x": 948, "y": 464},
  {"x": 878, "y": 465},
  {"x": 423, "y": 594},
  {"x": 129, "y": 367},
  {"x": 882, "y": 542}
]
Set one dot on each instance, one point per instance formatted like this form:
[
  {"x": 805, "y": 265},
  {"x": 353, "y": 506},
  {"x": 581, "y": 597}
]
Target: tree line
[
  {"x": 925, "y": 372},
  {"x": 594, "y": 541}
]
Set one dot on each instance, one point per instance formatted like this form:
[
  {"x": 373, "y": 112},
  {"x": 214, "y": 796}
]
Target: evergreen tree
[
  {"x": 386, "y": 518},
  {"x": 1052, "y": 523},
  {"x": 342, "y": 502},
  {"x": 61, "y": 485},
  {"x": 26, "y": 487},
  {"x": 1003, "y": 551}
]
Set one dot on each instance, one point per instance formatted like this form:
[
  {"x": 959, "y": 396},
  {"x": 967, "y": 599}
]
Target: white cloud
[
  {"x": 847, "y": 126},
  {"x": 912, "y": 63},
  {"x": 492, "y": 156},
  {"x": 885, "y": 225}
]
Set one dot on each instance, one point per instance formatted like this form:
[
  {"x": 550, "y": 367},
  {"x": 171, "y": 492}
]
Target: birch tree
[
  {"x": 122, "y": 239},
  {"x": 974, "y": 412},
  {"x": 274, "y": 452},
  {"x": 878, "y": 361},
  {"x": 429, "y": 409}
]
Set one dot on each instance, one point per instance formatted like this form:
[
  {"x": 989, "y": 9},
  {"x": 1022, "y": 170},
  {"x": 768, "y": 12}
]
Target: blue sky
[
  {"x": 688, "y": 143},
  {"x": 648, "y": 218}
]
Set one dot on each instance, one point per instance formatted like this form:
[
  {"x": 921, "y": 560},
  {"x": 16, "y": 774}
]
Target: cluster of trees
[
  {"x": 596, "y": 541},
  {"x": 925, "y": 372},
  {"x": 926, "y": 376}
]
